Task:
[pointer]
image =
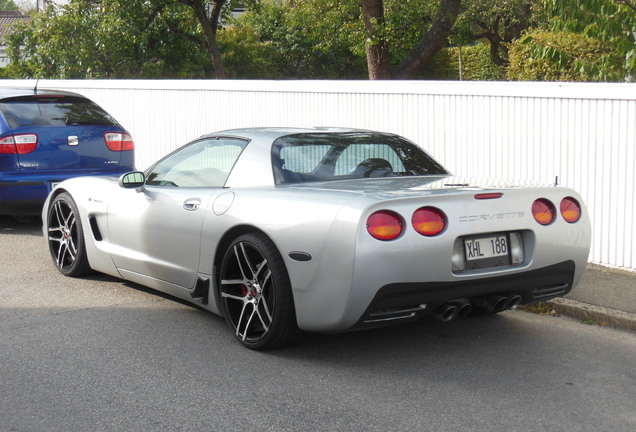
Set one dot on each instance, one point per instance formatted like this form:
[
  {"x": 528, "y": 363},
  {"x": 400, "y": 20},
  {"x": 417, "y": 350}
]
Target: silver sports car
[{"x": 284, "y": 231}]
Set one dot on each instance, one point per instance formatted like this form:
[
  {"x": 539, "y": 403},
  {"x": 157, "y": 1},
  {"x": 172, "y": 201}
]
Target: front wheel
[
  {"x": 66, "y": 238},
  {"x": 256, "y": 293}
]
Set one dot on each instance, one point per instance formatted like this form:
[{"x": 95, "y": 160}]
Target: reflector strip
[{"x": 492, "y": 195}]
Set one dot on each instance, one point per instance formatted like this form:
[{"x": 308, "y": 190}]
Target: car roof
[
  {"x": 272, "y": 133},
  {"x": 10, "y": 92}
]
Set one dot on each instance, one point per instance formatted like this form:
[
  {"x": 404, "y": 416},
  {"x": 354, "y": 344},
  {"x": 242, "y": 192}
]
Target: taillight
[
  {"x": 384, "y": 225},
  {"x": 118, "y": 141},
  {"x": 570, "y": 209},
  {"x": 543, "y": 211},
  {"x": 18, "y": 144},
  {"x": 428, "y": 221}
]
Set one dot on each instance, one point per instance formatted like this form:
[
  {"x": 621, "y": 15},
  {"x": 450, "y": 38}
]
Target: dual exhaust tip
[{"x": 461, "y": 308}]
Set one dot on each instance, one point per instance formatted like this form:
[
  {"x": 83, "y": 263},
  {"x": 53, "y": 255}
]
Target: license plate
[{"x": 486, "y": 247}]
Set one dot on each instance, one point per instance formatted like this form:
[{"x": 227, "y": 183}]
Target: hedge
[{"x": 559, "y": 56}]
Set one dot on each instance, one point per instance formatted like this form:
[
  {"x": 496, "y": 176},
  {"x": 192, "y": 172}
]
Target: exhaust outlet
[
  {"x": 514, "y": 300},
  {"x": 463, "y": 308},
  {"x": 445, "y": 312},
  {"x": 492, "y": 303}
]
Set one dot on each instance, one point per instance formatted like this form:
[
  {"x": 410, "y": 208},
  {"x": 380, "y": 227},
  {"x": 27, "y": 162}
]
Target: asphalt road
[{"x": 98, "y": 354}]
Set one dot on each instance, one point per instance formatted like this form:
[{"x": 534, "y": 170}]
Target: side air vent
[
  {"x": 544, "y": 293},
  {"x": 97, "y": 235}
]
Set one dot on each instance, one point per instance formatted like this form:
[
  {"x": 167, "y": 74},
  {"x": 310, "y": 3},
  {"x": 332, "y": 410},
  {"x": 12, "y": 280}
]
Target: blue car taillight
[
  {"x": 119, "y": 141},
  {"x": 18, "y": 144}
]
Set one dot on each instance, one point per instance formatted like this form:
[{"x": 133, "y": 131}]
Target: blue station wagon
[{"x": 47, "y": 136}]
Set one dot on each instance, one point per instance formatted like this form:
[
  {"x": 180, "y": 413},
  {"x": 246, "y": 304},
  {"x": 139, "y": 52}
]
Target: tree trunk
[
  {"x": 375, "y": 45},
  {"x": 431, "y": 43},
  {"x": 209, "y": 25}
]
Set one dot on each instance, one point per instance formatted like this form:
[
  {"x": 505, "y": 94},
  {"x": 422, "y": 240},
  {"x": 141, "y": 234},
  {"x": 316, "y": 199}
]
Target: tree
[
  {"x": 376, "y": 45},
  {"x": 499, "y": 22},
  {"x": 309, "y": 39},
  {"x": 611, "y": 21},
  {"x": 430, "y": 43},
  {"x": 208, "y": 14},
  {"x": 107, "y": 39},
  {"x": 6, "y": 5}
]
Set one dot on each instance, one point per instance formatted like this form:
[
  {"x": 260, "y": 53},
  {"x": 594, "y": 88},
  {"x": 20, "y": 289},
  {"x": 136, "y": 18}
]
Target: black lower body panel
[{"x": 400, "y": 302}]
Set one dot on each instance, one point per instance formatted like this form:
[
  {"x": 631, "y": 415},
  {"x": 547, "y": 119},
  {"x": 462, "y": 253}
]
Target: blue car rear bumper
[{"x": 22, "y": 194}]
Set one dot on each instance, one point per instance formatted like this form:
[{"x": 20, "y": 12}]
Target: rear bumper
[
  {"x": 24, "y": 193},
  {"x": 400, "y": 302}
]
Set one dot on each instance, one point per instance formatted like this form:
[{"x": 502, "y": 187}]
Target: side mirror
[{"x": 132, "y": 180}]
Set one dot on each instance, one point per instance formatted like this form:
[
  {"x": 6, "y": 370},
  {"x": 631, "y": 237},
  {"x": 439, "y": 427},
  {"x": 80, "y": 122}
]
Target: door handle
[{"x": 192, "y": 204}]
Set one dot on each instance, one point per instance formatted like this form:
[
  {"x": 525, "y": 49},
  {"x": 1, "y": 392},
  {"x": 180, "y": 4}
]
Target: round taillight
[
  {"x": 384, "y": 225},
  {"x": 543, "y": 211},
  {"x": 428, "y": 221},
  {"x": 570, "y": 209}
]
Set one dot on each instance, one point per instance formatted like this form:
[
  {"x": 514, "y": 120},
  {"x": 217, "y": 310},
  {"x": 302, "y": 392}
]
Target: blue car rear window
[{"x": 53, "y": 111}]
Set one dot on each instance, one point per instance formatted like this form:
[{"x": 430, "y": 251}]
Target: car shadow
[{"x": 24, "y": 225}]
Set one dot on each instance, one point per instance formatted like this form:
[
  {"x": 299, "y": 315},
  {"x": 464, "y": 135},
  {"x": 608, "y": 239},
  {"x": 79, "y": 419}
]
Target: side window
[
  {"x": 205, "y": 163},
  {"x": 355, "y": 154}
]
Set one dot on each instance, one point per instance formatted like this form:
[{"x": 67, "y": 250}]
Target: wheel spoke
[
  {"x": 263, "y": 302},
  {"x": 231, "y": 296},
  {"x": 265, "y": 324},
  {"x": 248, "y": 262},
  {"x": 55, "y": 230},
  {"x": 233, "y": 281},
  {"x": 242, "y": 254},
  {"x": 247, "y": 324},
  {"x": 261, "y": 267},
  {"x": 59, "y": 255}
]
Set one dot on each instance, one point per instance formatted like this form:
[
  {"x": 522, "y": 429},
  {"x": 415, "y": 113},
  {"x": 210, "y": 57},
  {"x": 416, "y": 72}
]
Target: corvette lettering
[{"x": 489, "y": 217}]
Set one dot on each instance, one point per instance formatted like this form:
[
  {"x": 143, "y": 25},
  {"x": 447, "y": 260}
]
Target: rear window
[
  {"x": 340, "y": 156},
  {"x": 53, "y": 111}
]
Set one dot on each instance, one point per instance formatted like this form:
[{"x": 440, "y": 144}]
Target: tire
[
  {"x": 256, "y": 294},
  {"x": 66, "y": 237}
]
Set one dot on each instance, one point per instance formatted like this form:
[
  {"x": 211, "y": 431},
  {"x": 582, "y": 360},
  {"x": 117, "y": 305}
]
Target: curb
[{"x": 598, "y": 314}]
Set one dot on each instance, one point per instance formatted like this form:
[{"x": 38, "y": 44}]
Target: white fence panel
[{"x": 583, "y": 133}]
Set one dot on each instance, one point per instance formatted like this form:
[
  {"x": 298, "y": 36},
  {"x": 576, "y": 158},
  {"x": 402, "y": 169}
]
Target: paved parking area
[{"x": 99, "y": 354}]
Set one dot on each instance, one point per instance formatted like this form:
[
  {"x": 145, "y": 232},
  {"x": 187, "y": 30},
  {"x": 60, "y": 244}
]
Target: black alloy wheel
[
  {"x": 256, "y": 293},
  {"x": 66, "y": 238}
]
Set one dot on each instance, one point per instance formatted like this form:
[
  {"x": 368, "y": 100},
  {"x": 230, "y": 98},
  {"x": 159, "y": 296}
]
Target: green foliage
[
  {"x": 610, "y": 21},
  {"x": 406, "y": 24},
  {"x": 499, "y": 22},
  {"x": 476, "y": 65},
  {"x": 560, "y": 56},
  {"x": 311, "y": 40},
  {"x": 245, "y": 56},
  {"x": 7, "y": 5},
  {"x": 108, "y": 39}
]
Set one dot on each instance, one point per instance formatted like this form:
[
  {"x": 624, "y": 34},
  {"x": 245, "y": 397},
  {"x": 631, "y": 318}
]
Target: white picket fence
[{"x": 583, "y": 133}]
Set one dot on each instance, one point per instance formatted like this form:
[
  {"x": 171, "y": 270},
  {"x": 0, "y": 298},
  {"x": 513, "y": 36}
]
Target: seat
[{"x": 373, "y": 167}]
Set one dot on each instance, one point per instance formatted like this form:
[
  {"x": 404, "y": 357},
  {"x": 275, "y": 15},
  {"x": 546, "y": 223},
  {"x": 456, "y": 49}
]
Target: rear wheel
[
  {"x": 66, "y": 238},
  {"x": 256, "y": 293}
]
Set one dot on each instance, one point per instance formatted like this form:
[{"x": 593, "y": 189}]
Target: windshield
[{"x": 340, "y": 156}]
